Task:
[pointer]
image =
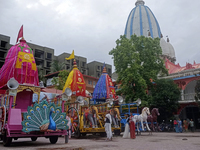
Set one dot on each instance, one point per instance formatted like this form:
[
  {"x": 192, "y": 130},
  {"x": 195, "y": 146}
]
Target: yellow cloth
[
  {"x": 25, "y": 57},
  {"x": 71, "y": 56},
  {"x": 69, "y": 81}
]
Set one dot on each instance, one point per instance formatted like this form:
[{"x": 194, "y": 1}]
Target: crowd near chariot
[{"x": 21, "y": 117}]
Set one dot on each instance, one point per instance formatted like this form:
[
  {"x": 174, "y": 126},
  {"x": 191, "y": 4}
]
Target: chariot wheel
[
  {"x": 75, "y": 121},
  {"x": 77, "y": 134},
  {"x": 34, "y": 138},
  {"x": 53, "y": 139},
  {"x": 6, "y": 140}
]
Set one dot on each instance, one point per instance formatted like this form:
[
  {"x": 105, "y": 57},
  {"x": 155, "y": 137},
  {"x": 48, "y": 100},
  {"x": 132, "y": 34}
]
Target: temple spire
[{"x": 139, "y": 2}]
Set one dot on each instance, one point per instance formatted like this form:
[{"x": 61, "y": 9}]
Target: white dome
[
  {"x": 141, "y": 20},
  {"x": 164, "y": 47},
  {"x": 171, "y": 50}
]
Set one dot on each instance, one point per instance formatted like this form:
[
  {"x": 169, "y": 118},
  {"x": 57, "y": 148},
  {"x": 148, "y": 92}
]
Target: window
[
  {"x": 49, "y": 56},
  {"x": 47, "y": 72},
  {"x": 101, "y": 68},
  {"x": 83, "y": 64},
  {"x": 68, "y": 61},
  {"x": 109, "y": 71},
  {"x": 77, "y": 63},
  {"x": 1, "y": 64},
  {"x": 3, "y": 44},
  {"x": 39, "y": 63},
  {"x": 98, "y": 67},
  {"x": 90, "y": 82},
  {"x": 48, "y": 64},
  {"x": 82, "y": 71},
  {"x": 39, "y": 54},
  {"x": 67, "y": 67},
  {"x": 94, "y": 83}
]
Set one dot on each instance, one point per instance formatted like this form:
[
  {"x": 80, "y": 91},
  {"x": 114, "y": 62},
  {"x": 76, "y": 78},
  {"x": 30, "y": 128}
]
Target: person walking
[
  {"x": 192, "y": 125},
  {"x": 180, "y": 129},
  {"x": 108, "y": 122},
  {"x": 69, "y": 124},
  {"x": 127, "y": 128},
  {"x": 185, "y": 125},
  {"x": 176, "y": 125}
]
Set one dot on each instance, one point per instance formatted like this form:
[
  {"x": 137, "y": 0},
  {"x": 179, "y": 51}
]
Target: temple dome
[
  {"x": 171, "y": 49},
  {"x": 141, "y": 20},
  {"x": 164, "y": 47},
  {"x": 167, "y": 50}
]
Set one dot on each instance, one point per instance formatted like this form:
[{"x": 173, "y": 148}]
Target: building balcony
[{"x": 187, "y": 98}]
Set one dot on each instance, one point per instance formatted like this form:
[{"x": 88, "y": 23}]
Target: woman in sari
[{"x": 127, "y": 128}]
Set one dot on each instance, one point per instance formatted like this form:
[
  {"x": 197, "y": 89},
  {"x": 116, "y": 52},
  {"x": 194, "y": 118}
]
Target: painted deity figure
[
  {"x": 115, "y": 115},
  {"x": 90, "y": 116}
]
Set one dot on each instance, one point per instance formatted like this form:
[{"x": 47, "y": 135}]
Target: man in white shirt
[{"x": 108, "y": 122}]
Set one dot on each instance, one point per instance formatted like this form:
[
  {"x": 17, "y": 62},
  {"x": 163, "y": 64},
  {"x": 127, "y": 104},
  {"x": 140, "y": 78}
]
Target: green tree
[
  {"x": 56, "y": 66},
  {"x": 59, "y": 81},
  {"x": 137, "y": 60},
  {"x": 41, "y": 74},
  {"x": 165, "y": 95}
]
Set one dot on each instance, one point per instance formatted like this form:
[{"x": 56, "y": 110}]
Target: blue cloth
[
  {"x": 176, "y": 128},
  {"x": 180, "y": 126}
]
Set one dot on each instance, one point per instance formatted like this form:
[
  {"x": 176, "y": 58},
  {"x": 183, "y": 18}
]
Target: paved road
[{"x": 156, "y": 141}]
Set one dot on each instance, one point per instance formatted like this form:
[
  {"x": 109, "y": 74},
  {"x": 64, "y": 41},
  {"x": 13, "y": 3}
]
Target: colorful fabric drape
[
  {"x": 20, "y": 64},
  {"x": 104, "y": 88},
  {"x": 76, "y": 83}
]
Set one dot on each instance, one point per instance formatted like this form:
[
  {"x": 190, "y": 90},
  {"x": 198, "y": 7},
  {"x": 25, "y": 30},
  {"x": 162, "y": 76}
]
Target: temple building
[{"x": 142, "y": 22}]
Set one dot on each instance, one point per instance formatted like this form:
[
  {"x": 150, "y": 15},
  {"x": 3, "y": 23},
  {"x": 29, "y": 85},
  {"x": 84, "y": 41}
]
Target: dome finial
[
  {"x": 75, "y": 66},
  {"x": 139, "y": 2},
  {"x": 167, "y": 38}
]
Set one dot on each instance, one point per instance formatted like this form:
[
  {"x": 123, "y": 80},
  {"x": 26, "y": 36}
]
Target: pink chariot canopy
[{"x": 20, "y": 64}]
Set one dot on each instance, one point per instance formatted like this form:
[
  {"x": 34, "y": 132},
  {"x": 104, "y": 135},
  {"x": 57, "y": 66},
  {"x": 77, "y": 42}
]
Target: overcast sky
[{"x": 91, "y": 27}]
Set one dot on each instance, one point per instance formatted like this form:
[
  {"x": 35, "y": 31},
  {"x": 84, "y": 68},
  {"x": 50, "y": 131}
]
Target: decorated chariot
[
  {"x": 87, "y": 115},
  {"x": 20, "y": 117}
]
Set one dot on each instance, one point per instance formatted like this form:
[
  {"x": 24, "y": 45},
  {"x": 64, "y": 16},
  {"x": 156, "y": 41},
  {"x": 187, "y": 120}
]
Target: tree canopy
[
  {"x": 165, "y": 95},
  {"x": 59, "y": 81},
  {"x": 137, "y": 62},
  {"x": 56, "y": 66}
]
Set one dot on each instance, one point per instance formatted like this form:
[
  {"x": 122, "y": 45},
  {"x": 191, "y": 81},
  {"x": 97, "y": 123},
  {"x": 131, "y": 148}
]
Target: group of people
[
  {"x": 179, "y": 127},
  {"x": 108, "y": 122}
]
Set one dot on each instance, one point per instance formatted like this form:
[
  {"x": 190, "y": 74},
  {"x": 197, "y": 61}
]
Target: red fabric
[
  {"x": 2, "y": 91},
  {"x": 20, "y": 34},
  {"x": 175, "y": 122},
  {"x": 78, "y": 83},
  {"x": 132, "y": 130},
  {"x": 110, "y": 87}
]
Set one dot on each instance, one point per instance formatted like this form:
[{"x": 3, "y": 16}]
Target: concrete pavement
[{"x": 156, "y": 141}]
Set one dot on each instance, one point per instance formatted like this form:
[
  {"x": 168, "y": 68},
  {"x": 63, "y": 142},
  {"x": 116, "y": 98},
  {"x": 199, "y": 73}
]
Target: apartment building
[
  {"x": 44, "y": 56},
  {"x": 95, "y": 69},
  {"x": 80, "y": 61}
]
